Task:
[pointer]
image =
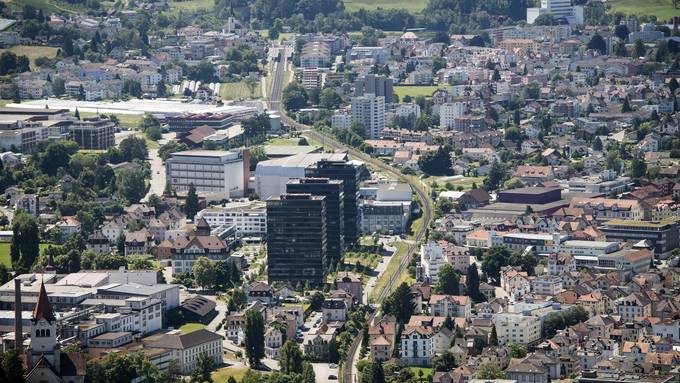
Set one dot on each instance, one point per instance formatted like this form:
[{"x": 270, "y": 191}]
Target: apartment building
[{"x": 369, "y": 110}]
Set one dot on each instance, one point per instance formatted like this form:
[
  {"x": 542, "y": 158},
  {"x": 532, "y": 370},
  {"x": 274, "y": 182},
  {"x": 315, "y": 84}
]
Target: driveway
[{"x": 323, "y": 371}]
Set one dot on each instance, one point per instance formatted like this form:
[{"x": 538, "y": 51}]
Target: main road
[{"x": 349, "y": 372}]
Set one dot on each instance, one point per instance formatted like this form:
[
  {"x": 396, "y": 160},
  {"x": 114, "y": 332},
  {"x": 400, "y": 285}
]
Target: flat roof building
[
  {"x": 214, "y": 173},
  {"x": 94, "y": 133},
  {"x": 296, "y": 238}
]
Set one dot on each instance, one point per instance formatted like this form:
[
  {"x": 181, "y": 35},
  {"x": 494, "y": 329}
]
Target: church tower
[{"x": 44, "y": 330}]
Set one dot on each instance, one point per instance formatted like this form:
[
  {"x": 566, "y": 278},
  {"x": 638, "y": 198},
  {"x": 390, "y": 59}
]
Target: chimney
[
  {"x": 18, "y": 323},
  {"x": 245, "y": 153}
]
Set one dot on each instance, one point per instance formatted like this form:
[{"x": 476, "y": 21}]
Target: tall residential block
[
  {"x": 333, "y": 190},
  {"x": 375, "y": 84},
  {"x": 369, "y": 110},
  {"x": 296, "y": 238},
  {"x": 215, "y": 173}
]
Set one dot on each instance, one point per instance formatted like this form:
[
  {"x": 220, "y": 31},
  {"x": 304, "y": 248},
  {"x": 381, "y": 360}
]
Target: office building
[
  {"x": 369, "y": 110},
  {"x": 296, "y": 238},
  {"x": 271, "y": 176},
  {"x": 662, "y": 235},
  {"x": 385, "y": 217},
  {"x": 560, "y": 9},
  {"x": 218, "y": 121},
  {"x": 350, "y": 176},
  {"x": 214, "y": 173},
  {"x": 375, "y": 84},
  {"x": 94, "y": 133},
  {"x": 334, "y": 192}
]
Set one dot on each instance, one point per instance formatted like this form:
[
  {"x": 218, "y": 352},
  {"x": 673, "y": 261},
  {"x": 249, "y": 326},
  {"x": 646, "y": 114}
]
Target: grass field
[
  {"x": 223, "y": 374},
  {"x": 46, "y": 5},
  {"x": 238, "y": 90},
  {"x": 662, "y": 9},
  {"x": 413, "y": 6},
  {"x": 124, "y": 120},
  {"x": 32, "y": 52},
  {"x": 192, "y": 5},
  {"x": 391, "y": 270},
  {"x": 191, "y": 327},
  {"x": 414, "y": 90},
  {"x": 426, "y": 373},
  {"x": 283, "y": 141},
  {"x": 465, "y": 182},
  {"x": 5, "y": 255}
]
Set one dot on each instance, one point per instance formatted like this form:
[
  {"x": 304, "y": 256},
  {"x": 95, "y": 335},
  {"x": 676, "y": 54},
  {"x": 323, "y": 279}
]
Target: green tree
[
  {"x": 290, "y": 358},
  {"x": 639, "y": 49},
  {"x": 497, "y": 174},
  {"x": 254, "y": 337},
  {"x": 316, "y": 300},
  {"x": 294, "y": 97},
  {"x": 489, "y": 370},
  {"x": 133, "y": 148},
  {"x": 191, "y": 206},
  {"x": 399, "y": 304},
  {"x": 131, "y": 184},
  {"x": 597, "y": 43},
  {"x": 444, "y": 362},
  {"x": 24, "y": 247},
  {"x": 204, "y": 272},
  {"x": 625, "y": 107},
  {"x": 545, "y": 19},
  {"x": 204, "y": 366},
  {"x": 12, "y": 369},
  {"x": 333, "y": 353},
  {"x": 308, "y": 375},
  {"x": 638, "y": 167},
  {"x": 472, "y": 283},
  {"x": 448, "y": 280},
  {"x": 517, "y": 351},
  {"x": 373, "y": 373},
  {"x": 330, "y": 99},
  {"x": 493, "y": 339}
]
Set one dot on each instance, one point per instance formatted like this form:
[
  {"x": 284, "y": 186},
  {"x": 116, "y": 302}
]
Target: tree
[
  {"x": 133, "y": 148},
  {"x": 56, "y": 155},
  {"x": 308, "y": 375},
  {"x": 252, "y": 82},
  {"x": 621, "y": 31},
  {"x": 191, "y": 206},
  {"x": 472, "y": 283},
  {"x": 493, "y": 339},
  {"x": 316, "y": 300},
  {"x": 204, "y": 366},
  {"x": 131, "y": 184},
  {"x": 373, "y": 373},
  {"x": 204, "y": 272},
  {"x": 597, "y": 43},
  {"x": 448, "y": 323},
  {"x": 254, "y": 337},
  {"x": 638, "y": 167},
  {"x": 492, "y": 261},
  {"x": 444, "y": 362},
  {"x": 5, "y": 275},
  {"x": 333, "y": 354},
  {"x": 517, "y": 351},
  {"x": 12, "y": 369},
  {"x": 489, "y": 371},
  {"x": 399, "y": 304},
  {"x": 495, "y": 177},
  {"x": 330, "y": 99},
  {"x": 294, "y": 97},
  {"x": 24, "y": 248},
  {"x": 545, "y": 19},
  {"x": 204, "y": 71},
  {"x": 639, "y": 49},
  {"x": 625, "y": 107},
  {"x": 58, "y": 86},
  {"x": 448, "y": 280},
  {"x": 597, "y": 144},
  {"x": 290, "y": 358}
]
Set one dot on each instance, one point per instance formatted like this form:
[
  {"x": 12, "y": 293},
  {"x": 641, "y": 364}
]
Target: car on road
[
  {"x": 332, "y": 377},
  {"x": 333, "y": 365}
]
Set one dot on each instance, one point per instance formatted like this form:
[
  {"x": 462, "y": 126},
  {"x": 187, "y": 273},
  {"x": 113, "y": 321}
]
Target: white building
[
  {"x": 547, "y": 285},
  {"x": 455, "y": 306},
  {"x": 416, "y": 345},
  {"x": 448, "y": 113},
  {"x": 271, "y": 176},
  {"x": 406, "y": 110},
  {"x": 560, "y": 9},
  {"x": 187, "y": 348},
  {"x": 215, "y": 173},
  {"x": 369, "y": 110},
  {"x": 341, "y": 121},
  {"x": 431, "y": 259},
  {"x": 517, "y": 328},
  {"x": 249, "y": 219},
  {"x": 139, "y": 315}
]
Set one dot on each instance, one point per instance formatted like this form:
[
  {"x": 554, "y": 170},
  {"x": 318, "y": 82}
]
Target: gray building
[{"x": 375, "y": 84}]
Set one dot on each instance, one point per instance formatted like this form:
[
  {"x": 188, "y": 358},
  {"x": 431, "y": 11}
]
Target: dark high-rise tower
[
  {"x": 349, "y": 175},
  {"x": 296, "y": 238},
  {"x": 335, "y": 219}
]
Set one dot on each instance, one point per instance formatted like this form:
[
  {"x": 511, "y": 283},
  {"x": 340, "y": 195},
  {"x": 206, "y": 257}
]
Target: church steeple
[{"x": 43, "y": 308}]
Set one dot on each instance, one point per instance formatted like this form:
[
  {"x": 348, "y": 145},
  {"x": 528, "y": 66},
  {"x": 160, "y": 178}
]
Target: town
[{"x": 445, "y": 191}]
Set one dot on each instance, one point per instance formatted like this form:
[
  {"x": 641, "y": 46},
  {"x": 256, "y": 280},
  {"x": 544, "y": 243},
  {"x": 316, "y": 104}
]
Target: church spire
[{"x": 43, "y": 308}]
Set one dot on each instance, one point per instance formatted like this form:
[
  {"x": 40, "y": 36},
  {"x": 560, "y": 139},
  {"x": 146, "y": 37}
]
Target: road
[
  {"x": 349, "y": 372},
  {"x": 157, "y": 182}
]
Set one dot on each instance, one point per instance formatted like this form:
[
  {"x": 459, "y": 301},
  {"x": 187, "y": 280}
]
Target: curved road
[{"x": 423, "y": 196}]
